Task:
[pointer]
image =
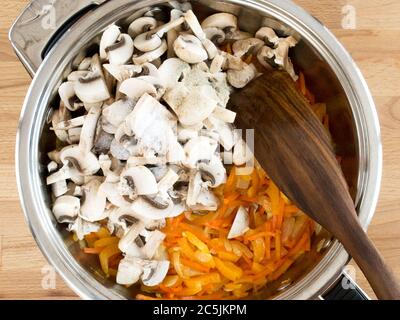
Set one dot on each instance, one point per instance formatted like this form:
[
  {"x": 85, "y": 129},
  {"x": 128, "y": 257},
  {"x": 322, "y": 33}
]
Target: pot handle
[
  {"x": 41, "y": 25},
  {"x": 345, "y": 289}
]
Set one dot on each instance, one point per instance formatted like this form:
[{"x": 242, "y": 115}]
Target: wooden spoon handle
[{"x": 365, "y": 254}]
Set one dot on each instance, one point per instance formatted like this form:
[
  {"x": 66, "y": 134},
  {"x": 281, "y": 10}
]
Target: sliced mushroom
[
  {"x": 66, "y": 209},
  {"x": 102, "y": 141},
  {"x": 92, "y": 88},
  {"x": 85, "y": 64},
  {"x": 109, "y": 37},
  {"x": 135, "y": 88},
  {"x": 82, "y": 227},
  {"x": 127, "y": 244},
  {"x": 129, "y": 271},
  {"x": 141, "y": 180},
  {"x": 146, "y": 42},
  {"x": 115, "y": 114},
  {"x": 153, "y": 242},
  {"x": 240, "y": 78},
  {"x": 190, "y": 49},
  {"x": 94, "y": 202},
  {"x": 213, "y": 172},
  {"x": 85, "y": 163},
  {"x": 240, "y": 224},
  {"x": 194, "y": 25},
  {"x": 122, "y": 72},
  {"x": 111, "y": 190},
  {"x": 151, "y": 55},
  {"x": 224, "y": 114},
  {"x": 268, "y": 35},
  {"x": 282, "y": 55},
  {"x": 141, "y": 25},
  {"x": 216, "y": 35},
  {"x": 171, "y": 71},
  {"x": 88, "y": 132},
  {"x": 59, "y": 188},
  {"x": 58, "y": 116},
  {"x": 223, "y": 21},
  {"x": 67, "y": 95},
  {"x": 119, "y": 151},
  {"x": 225, "y": 132},
  {"x": 247, "y": 46},
  {"x": 199, "y": 149},
  {"x": 70, "y": 123},
  {"x": 266, "y": 57},
  {"x": 154, "y": 272}
]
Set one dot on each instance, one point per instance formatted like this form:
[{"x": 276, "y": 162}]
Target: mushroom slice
[
  {"x": 157, "y": 83},
  {"x": 217, "y": 36},
  {"x": 52, "y": 166},
  {"x": 111, "y": 190},
  {"x": 223, "y": 21},
  {"x": 268, "y": 35},
  {"x": 171, "y": 71},
  {"x": 192, "y": 104},
  {"x": 154, "y": 272},
  {"x": 282, "y": 55},
  {"x": 266, "y": 57},
  {"x": 225, "y": 131},
  {"x": 242, "y": 47},
  {"x": 60, "y": 116},
  {"x": 141, "y": 180},
  {"x": 153, "y": 242},
  {"x": 135, "y": 88},
  {"x": 237, "y": 35},
  {"x": 141, "y": 25},
  {"x": 156, "y": 207},
  {"x": 151, "y": 55},
  {"x": 66, "y": 209},
  {"x": 129, "y": 271},
  {"x": 75, "y": 75},
  {"x": 92, "y": 88},
  {"x": 118, "y": 151},
  {"x": 102, "y": 141},
  {"x": 127, "y": 244},
  {"x": 190, "y": 49},
  {"x": 70, "y": 123},
  {"x": 163, "y": 29},
  {"x": 240, "y": 78},
  {"x": 146, "y": 42},
  {"x": 240, "y": 224},
  {"x": 199, "y": 149},
  {"x": 85, "y": 163},
  {"x": 194, "y": 25},
  {"x": 242, "y": 153},
  {"x": 88, "y": 132},
  {"x": 109, "y": 37},
  {"x": 116, "y": 113},
  {"x": 82, "y": 227},
  {"x": 122, "y": 72},
  {"x": 195, "y": 186},
  {"x": 85, "y": 64},
  {"x": 59, "y": 188},
  {"x": 67, "y": 95},
  {"x": 187, "y": 133},
  {"x": 213, "y": 172},
  {"x": 224, "y": 114},
  {"x": 210, "y": 47},
  {"x": 94, "y": 203}
]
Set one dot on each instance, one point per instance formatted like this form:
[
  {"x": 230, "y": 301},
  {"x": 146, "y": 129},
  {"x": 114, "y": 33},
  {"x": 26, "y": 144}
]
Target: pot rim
[{"x": 38, "y": 214}]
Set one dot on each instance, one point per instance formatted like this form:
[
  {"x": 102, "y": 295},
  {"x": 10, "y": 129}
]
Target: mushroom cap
[
  {"x": 210, "y": 47},
  {"x": 221, "y": 21},
  {"x": 268, "y": 35},
  {"x": 140, "y": 179},
  {"x": 151, "y": 55},
  {"x": 216, "y": 35},
  {"x": 146, "y": 42},
  {"x": 122, "y": 72},
  {"x": 194, "y": 25},
  {"x": 242, "y": 47},
  {"x": 109, "y": 37},
  {"x": 121, "y": 51},
  {"x": 92, "y": 88},
  {"x": 240, "y": 78},
  {"x": 154, "y": 272},
  {"x": 190, "y": 49},
  {"x": 199, "y": 149},
  {"x": 149, "y": 69},
  {"x": 85, "y": 163},
  {"x": 135, "y": 88},
  {"x": 66, "y": 208},
  {"x": 129, "y": 271},
  {"x": 88, "y": 132},
  {"x": 94, "y": 203},
  {"x": 213, "y": 171},
  {"x": 171, "y": 70},
  {"x": 141, "y": 25},
  {"x": 66, "y": 92}
]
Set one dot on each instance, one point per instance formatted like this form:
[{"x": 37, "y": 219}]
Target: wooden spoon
[{"x": 294, "y": 148}]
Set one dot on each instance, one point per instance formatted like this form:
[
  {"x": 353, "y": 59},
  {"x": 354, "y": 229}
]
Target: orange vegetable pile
[{"x": 206, "y": 265}]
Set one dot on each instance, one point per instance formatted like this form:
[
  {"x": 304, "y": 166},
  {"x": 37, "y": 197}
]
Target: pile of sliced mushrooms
[{"x": 152, "y": 119}]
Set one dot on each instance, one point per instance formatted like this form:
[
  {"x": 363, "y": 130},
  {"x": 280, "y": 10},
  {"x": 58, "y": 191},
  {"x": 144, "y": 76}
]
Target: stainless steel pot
[{"x": 63, "y": 31}]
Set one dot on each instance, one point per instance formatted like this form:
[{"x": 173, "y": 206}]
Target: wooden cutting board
[{"x": 374, "y": 45}]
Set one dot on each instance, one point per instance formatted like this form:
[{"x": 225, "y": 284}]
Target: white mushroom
[
  {"x": 242, "y": 47},
  {"x": 225, "y": 132},
  {"x": 94, "y": 203},
  {"x": 88, "y": 132},
  {"x": 82, "y": 227},
  {"x": 171, "y": 70},
  {"x": 114, "y": 115},
  {"x": 129, "y": 271},
  {"x": 151, "y": 55},
  {"x": 149, "y": 69},
  {"x": 223, "y": 21},
  {"x": 128, "y": 244},
  {"x": 92, "y": 88},
  {"x": 135, "y": 88},
  {"x": 213, "y": 172},
  {"x": 240, "y": 78},
  {"x": 59, "y": 188},
  {"x": 141, "y": 25},
  {"x": 266, "y": 57},
  {"x": 146, "y": 42},
  {"x": 224, "y": 114},
  {"x": 66, "y": 209},
  {"x": 69, "y": 123},
  {"x": 122, "y": 72},
  {"x": 109, "y": 37},
  {"x": 60, "y": 116},
  {"x": 217, "y": 36},
  {"x": 153, "y": 241},
  {"x": 85, "y": 163},
  {"x": 154, "y": 272},
  {"x": 199, "y": 149},
  {"x": 121, "y": 51},
  {"x": 74, "y": 135},
  {"x": 85, "y": 64},
  {"x": 190, "y": 49},
  {"x": 210, "y": 47},
  {"x": 67, "y": 95},
  {"x": 75, "y": 75},
  {"x": 240, "y": 224},
  {"x": 141, "y": 180},
  {"x": 268, "y": 35},
  {"x": 194, "y": 25}
]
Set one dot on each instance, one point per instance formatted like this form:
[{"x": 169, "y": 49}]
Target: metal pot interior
[{"x": 323, "y": 83}]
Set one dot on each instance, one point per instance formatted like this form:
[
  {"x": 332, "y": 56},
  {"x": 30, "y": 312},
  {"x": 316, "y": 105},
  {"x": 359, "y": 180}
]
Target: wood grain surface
[{"x": 374, "y": 45}]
